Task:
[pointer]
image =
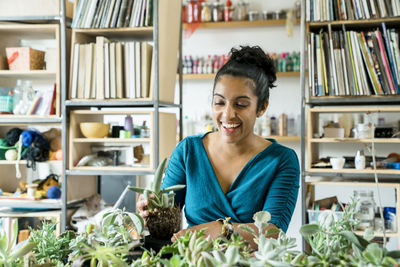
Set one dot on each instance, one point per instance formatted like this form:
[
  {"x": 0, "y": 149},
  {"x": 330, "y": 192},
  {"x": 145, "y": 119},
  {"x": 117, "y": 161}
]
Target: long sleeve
[
  {"x": 282, "y": 194},
  {"x": 176, "y": 172}
]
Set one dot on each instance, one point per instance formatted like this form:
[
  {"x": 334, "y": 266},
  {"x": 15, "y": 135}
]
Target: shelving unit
[
  {"x": 35, "y": 21},
  {"x": 236, "y": 24},
  {"x": 165, "y": 36},
  {"x": 356, "y": 183},
  {"x": 314, "y": 106}
]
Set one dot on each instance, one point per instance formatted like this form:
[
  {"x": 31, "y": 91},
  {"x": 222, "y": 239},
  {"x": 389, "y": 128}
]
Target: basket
[
  {"x": 313, "y": 215},
  {"x": 6, "y": 104}
]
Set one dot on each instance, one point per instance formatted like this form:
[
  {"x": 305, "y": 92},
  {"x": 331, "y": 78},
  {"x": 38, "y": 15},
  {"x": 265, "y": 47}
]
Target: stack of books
[
  {"x": 112, "y": 70},
  {"x": 350, "y": 63},
  {"x": 113, "y": 14},
  {"x": 328, "y": 10}
]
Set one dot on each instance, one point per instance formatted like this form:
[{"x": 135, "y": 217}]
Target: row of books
[
  {"x": 347, "y": 63},
  {"x": 112, "y": 70},
  {"x": 330, "y": 10},
  {"x": 113, "y": 14}
]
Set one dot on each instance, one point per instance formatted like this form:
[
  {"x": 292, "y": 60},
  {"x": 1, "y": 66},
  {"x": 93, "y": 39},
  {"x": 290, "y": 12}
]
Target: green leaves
[
  {"x": 308, "y": 230},
  {"x": 261, "y": 220},
  {"x": 156, "y": 184}
]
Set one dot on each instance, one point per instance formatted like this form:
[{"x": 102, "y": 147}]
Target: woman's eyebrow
[{"x": 238, "y": 97}]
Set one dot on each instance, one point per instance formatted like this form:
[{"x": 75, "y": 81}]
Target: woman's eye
[
  {"x": 218, "y": 103},
  {"x": 242, "y": 105}
]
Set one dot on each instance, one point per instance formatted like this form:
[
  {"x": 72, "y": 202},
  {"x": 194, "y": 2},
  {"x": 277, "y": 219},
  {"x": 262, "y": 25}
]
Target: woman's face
[{"x": 234, "y": 108}]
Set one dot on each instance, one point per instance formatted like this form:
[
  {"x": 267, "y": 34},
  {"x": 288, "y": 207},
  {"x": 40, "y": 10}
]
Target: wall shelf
[
  {"x": 111, "y": 140},
  {"x": 31, "y": 74},
  {"x": 364, "y": 23},
  {"x": 236, "y": 24},
  {"x": 210, "y": 76},
  {"x": 354, "y": 140},
  {"x": 139, "y": 102},
  {"x": 144, "y": 32},
  {"x": 351, "y": 100}
]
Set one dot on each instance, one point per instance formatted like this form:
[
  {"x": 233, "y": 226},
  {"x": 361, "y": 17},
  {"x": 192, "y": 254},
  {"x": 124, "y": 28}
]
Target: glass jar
[
  {"x": 18, "y": 93},
  {"x": 192, "y": 12},
  {"x": 206, "y": 12},
  {"x": 241, "y": 13},
  {"x": 254, "y": 15},
  {"x": 365, "y": 208},
  {"x": 217, "y": 12}
]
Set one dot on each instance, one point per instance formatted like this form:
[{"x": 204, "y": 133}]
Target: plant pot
[{"x": 155, "y": 243}]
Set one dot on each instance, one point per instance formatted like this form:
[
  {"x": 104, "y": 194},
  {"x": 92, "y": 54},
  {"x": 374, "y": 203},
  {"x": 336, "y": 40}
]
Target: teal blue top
[{"x": 269, "y": 182}]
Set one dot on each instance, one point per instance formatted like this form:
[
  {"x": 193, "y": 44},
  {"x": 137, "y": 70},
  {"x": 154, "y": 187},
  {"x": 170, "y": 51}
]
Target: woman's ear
[{"x": 262, "y": 111}]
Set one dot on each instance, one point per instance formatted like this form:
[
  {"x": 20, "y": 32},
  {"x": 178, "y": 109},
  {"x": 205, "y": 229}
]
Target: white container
[
  {"x": 359, "y": 160},
  {"x": 337, "y": 163}
]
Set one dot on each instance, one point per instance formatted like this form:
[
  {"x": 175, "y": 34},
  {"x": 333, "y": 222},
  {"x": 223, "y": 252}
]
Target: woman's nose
[{"x": 229, "y": 112}]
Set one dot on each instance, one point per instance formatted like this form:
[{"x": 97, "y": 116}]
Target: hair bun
[{"x": 253, "y": 55}]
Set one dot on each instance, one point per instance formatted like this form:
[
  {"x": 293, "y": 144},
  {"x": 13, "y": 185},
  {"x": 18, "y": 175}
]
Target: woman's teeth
[{"x": 230, "y": 125}]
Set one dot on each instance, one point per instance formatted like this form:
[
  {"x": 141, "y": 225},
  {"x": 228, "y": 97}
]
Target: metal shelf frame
[{"x": 155, "y": 104}]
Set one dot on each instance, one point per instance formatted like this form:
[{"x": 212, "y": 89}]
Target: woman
[{"x": 233, "y": 172}]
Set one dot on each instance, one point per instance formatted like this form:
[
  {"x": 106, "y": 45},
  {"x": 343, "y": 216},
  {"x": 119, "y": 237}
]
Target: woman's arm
[{"x": 214, "y": 229}]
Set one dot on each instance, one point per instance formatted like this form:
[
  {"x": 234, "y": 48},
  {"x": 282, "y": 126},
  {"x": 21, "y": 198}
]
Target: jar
[
  {"x": 365, "y": 208},
  {"x": 206, "y": 12},
  {"x": 193, "y": 12},
  {"x": 275, "y": 15},
  {"x": 265, "y": 15},
  {"x": 217, "y": 13},
  {"x": 254, "y": 15},
  {"x": 241, "y": 12}
]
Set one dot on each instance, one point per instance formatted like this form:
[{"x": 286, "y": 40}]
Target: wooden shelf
[
  {"x": 19, "y": 214},
  {"x": 111, "y": 169},
  {"x": 364, "y": 23},
  {"x": 21, "y": 162},
  {"x": 23, "y": 119},
  {"x": 111, "y": 140},
  {"x": 354, "y": 109},
  {"x": 350, "y": 100},
  {"x": 236, "y": 24},
  {"x": 32, "y": 74},
  {"x": 34, "y": 204},
  {"x": 146, "y": 32},
  {"x": 330, "y": 182},
  {"x": 354, "y": 171},
  {"x": 210, "y": 76},
  {"x": 285, "y": 138},
  {"x": 354, "y": 140}
]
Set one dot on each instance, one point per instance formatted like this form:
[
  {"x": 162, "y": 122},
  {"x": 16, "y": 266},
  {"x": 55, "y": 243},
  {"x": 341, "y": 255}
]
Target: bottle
[
  {"x": 144, "y": 131},
  {"x": 359, "y": 160},
  {"x": 190, "y": 65},
  {"x": 274, "y": 126},
  {"x": 228, "y": 10},
  {"x": 18, "y": 93},
  {"x": 184, "y": 65},
  {"x": 366, "y": 208},
  {"x": 128, "y": 125}
]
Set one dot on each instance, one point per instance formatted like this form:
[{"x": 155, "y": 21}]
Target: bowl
[
  {"x": 94, "y": 129},
  {"x": 337, "y": 163}
]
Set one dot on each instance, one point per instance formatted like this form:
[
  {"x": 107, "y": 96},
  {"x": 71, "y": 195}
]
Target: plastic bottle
[
  {"x": 274, "y": 126},
  {"x": 359, "y": 160},
  {"x": 18, "y": 93},
  {"x": 128, "y": 126},
  {"x": 228, "y": 10}
]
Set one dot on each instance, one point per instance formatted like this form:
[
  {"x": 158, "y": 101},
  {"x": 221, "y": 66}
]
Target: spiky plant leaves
[
  {"x": 156, "y": 184},
  {"x": 247, "y": 228},
  {"x": 232, "y": 255},
  {"x": 309, "y": 229},
  {"x": 360, "y": 242},
  {"x": 395, "y": 254},
  {"x": 173, "y": 188},
  {"x": 272, "y": 231},
  {"x": 137, "y": 189},
  {"x": 21, "y": 249}
]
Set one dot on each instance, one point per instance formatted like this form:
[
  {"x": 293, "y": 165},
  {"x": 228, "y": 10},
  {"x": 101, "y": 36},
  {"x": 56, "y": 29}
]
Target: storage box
[
  {"x": 28, "y": 8},
  {"x": 24, "y": 58},
  {"x": 333, "y": 132},
  {"x": 313, "y": 215}
]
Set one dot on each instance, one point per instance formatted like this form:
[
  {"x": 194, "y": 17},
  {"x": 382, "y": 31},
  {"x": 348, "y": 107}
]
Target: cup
[
  {"x": 337, "y": 163},
  {"x": 31, "y": 192}
]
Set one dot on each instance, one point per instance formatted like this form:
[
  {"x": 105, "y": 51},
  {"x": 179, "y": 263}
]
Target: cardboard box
[
  {"x": 333, "y": 132},
  {"x": 28, "y": 8},
  {"x": 24, "y": 58}
]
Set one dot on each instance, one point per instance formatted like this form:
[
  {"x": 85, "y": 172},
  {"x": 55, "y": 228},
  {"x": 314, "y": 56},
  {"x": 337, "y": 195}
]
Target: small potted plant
[{"x": 164, "y": 217}]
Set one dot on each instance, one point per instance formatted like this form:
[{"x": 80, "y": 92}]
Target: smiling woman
[{"x": 233, "y": 172}]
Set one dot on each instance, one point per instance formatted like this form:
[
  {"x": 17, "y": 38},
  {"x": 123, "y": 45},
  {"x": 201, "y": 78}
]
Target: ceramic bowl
[
  {"x": 337, "y": 163},
  {"x": 94, "y": 129}
]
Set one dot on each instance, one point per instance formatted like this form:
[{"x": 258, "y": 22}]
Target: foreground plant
[
  {"x": 11, "y": 254},
  {"x": 109, "y": 243},
  {"x": 164, "y": 217}
]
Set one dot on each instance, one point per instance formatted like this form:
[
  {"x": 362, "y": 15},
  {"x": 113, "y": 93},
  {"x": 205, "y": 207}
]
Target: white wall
[{"x": 285, "y": 98}]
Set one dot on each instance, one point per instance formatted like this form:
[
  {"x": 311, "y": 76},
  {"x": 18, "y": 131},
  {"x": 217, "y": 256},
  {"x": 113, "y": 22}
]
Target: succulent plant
[{"x": 164, "y": 217}]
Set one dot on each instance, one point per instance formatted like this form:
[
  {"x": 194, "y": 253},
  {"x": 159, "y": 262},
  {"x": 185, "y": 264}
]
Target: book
[
  {"x": 109, "y": 14},
  {"x": 75, "y": 72},
  {"x": 147, "y": 54},
  {"x": 122, "y": 13},
  {"x": 106, "y": 70},
  {"x": 114, "y": 17},
  {"x": 138, "y": 69},
  {"x": 385, "y": 61},
  {"x": 89, "y": 69},
  {"x": 127, "y": 70},
  {"x": 81, "y": 73},
  {"x": 113, "y": 78},
  {"x": 119, "y": 69},
  {"x": 333, "y": 75},
  {"x": 390, "y": 57},
  {"x": 128, "y": 14},
  {"x": 100, "y": 66}
]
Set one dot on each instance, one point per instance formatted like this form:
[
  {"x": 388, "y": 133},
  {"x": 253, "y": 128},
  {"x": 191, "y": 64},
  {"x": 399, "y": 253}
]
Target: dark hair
[{"x": 251, "y": 62}]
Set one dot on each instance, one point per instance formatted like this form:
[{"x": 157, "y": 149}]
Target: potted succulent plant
[{"x": 164, "y": 217}]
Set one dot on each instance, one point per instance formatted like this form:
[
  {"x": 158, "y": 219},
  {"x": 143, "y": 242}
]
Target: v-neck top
[{"x": 269, "y": 181}]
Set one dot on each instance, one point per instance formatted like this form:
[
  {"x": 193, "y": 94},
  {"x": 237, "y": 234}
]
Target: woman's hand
[
  {"x": 141, "y": 206},
  {"x": 213, "y": 230}
]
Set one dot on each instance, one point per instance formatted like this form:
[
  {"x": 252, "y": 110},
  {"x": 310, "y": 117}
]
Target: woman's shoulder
[{"x": 281, "y": 151}]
